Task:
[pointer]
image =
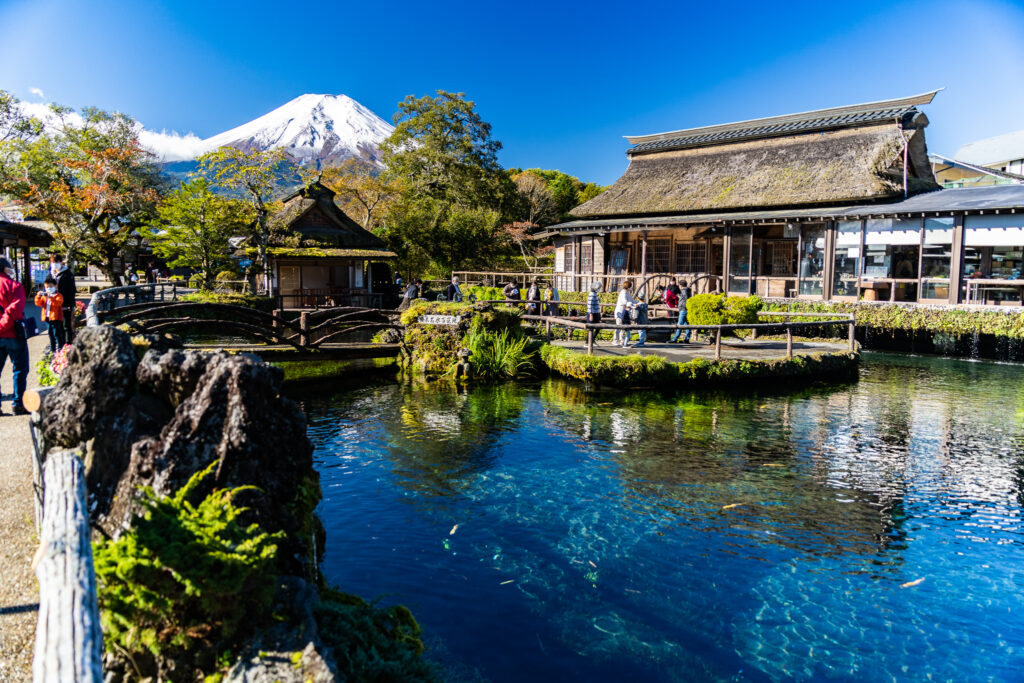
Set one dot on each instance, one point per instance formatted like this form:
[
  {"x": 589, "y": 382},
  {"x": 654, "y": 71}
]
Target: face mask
[{"x": 51, "y": 290}]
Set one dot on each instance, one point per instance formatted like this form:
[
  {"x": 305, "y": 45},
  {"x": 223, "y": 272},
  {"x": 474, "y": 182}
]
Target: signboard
[
  {"x": 245, "y": 263},
  {"x": 438, "y": 320}
]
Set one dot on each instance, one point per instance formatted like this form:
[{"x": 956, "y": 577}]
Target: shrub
[
  {"x": 719, "y": 309},
  {"x": 498, "y": 355},
  {"x": 44, "y": 371},
  {"x": 185, "y": 582}
]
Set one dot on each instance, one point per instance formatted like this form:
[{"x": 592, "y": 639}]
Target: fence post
[
  {"x": 590, "y": 341},
  {"x": 853, "y": 335},
  {"x": 278, "y": 318},
  {"x": 718, "y": 343},
  {"x": 547, "y": 328},
  {"x": 789, "y": 342},
  {"x": 304, "y": 328}
]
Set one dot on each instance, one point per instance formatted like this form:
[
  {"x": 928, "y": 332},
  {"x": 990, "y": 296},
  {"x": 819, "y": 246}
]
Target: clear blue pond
[{"x": 862, "y": 532}]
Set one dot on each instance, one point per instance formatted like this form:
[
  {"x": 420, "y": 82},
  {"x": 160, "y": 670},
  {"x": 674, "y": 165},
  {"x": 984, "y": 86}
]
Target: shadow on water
[{"x": 541, "y": 532}]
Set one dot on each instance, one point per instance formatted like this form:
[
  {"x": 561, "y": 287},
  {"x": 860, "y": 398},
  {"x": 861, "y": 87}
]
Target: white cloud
[
  {"x": 37, "y": 92},
  {"x": 172, "y": 146},
  {"x": 167, "y": 146}
]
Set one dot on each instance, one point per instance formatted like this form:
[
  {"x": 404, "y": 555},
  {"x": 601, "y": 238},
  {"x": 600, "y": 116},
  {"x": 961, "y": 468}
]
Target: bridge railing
[
  {"x": 107, "y": 300},
  {"x": 790, "y": 328}
]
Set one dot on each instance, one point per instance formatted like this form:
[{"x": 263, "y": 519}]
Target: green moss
[
  {"x": 44, "y": 371},
  {"x": 186, "y": 581},
  {"x": 260, "y": 303},
  {"x": 655, "y": 371},
  {"x": 371, "y": 643},
  {"x": 311, "y": 529}
]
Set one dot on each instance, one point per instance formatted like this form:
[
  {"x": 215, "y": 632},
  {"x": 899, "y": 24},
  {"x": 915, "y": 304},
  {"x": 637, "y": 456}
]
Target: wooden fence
[{"x": 69, "y": 639}]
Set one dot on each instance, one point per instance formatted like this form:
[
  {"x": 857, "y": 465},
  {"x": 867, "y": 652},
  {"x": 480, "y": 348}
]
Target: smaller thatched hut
[{"x": 335, "y": 261}]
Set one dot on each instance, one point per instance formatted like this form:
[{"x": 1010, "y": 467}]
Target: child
[{"x": 50, "y": 302}]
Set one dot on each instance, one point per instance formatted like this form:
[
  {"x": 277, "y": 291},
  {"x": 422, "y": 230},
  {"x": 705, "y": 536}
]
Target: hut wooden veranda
[{"x": 838, "y": 203}]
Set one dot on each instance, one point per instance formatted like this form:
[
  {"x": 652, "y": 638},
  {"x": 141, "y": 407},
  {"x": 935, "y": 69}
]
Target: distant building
[
  {"x": 953, "y": 173},
  {"x": 839, "y": 203}
]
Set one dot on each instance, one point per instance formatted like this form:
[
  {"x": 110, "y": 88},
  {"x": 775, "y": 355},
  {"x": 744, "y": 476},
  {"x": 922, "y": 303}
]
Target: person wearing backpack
[{"x": 13, "y": 342}]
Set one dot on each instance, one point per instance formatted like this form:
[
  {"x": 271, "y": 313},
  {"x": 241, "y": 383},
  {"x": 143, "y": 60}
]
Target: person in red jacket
[
  {"x": 12, "y": 334},
  {"x": 50, "y": 303}
]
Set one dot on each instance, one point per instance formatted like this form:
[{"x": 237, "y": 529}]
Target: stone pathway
[
  {"x": 733, "y": 349},
  {"x": 19, "y": 592}
]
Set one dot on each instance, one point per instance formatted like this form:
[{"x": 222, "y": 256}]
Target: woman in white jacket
[{"x": 623, "y": 305}]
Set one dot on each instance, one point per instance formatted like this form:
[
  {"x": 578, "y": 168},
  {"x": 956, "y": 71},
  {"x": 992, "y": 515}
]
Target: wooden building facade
[{"x": 832, "y": 204}]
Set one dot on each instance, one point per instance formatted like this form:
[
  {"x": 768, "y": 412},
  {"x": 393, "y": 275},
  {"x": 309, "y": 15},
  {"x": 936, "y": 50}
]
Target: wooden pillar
[
  {"x": 26, "y": 270},
  {"x": 643, "y": 256},
  {"x": 718, "y": 343},
  {"x": 956, "y": 261},
  {"x": 789, "y": 342},
  {"x": 829, "y": 266},
  {"x": 751, "y": 280},
  {"x": 590, "y": 341},
  {"x": 726, "y": 257},
  {"x": 304, "y": 327},
  {"x": 853, "y": 334}
]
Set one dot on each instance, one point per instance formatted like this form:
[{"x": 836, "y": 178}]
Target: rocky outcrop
[{"x": 156, "y": 422}]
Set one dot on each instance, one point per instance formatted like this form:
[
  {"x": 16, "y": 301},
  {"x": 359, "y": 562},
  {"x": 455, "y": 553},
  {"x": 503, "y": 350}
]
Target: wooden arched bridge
[{"x": 337, "y": 333}]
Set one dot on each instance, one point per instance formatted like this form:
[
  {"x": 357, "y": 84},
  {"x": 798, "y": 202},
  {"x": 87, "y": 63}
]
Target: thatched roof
[
  {"x": 846, "y": 154},
  {"x": 312, "y": 213},
  {"x": 321, "y": 252}
]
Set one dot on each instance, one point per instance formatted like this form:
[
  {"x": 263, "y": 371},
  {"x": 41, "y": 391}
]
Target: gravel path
[{"x": 19, "y": 592}]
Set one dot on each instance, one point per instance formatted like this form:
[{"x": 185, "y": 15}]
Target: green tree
[
  {"x": 255, "y": 174},
  {"x": 91, "y": 179},
  {"x": 455, "y": 194},
  {"x": 362, "y": 192},
  {"x": 193, "y": 226}
]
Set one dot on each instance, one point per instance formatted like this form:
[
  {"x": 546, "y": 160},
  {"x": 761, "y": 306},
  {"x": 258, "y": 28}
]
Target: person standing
[
  {"x": 551, "y": 295},
  {"x": 533, "y": 299},
  {"x": 50, "y": 303},
  {"x": 66, "y": 286},
  {"x": 511, "y": 292},
  {"x": 12, "y": 333},
  {"x": 623, "y": 305},
  {"x": 594, "y": 304},
  {"x": 684, "y": 294},
  {"x": 454, "y": 293}
]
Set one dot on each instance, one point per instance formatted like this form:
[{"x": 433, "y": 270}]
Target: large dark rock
[
  {"x": 233, "y": 414},
  {"x": 98, "y": 381}
]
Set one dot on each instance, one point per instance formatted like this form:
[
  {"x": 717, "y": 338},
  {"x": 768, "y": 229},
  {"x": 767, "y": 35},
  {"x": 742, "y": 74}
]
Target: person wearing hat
[{"x": 12, "y": 335}]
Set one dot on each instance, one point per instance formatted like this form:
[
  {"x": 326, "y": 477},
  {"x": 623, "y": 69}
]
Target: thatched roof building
[
  {"x": 839, "y": 155},
  {"x": 839, "y": 203}
]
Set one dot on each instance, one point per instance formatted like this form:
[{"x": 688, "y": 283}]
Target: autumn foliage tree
[
  {"x": 363, "y": 193},
  {"x": 89, "y": 177}
]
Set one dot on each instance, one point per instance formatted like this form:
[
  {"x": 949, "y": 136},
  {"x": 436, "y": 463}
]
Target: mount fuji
[{"x": 312, "y": 129}]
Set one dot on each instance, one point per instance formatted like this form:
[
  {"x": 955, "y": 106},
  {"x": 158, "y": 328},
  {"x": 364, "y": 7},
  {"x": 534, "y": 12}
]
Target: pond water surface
[{"x": 864, "y": 532}]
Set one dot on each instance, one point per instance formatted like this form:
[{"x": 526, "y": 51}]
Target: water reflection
[{"x": 710, "y": 537}]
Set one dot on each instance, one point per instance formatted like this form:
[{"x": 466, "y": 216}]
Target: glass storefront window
[
  {"x": 848, "y": 258},
  {"x": 936, "y": 256},
  {"x": 739, "y": 261},
  {"x": 892, "y": 248},
  {"x": 994, "y": 250},
  {"x": 812, "y": 259}
]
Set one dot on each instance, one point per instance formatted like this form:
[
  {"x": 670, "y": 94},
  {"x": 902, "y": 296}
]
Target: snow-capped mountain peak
[{"x": 322, "y": 129}]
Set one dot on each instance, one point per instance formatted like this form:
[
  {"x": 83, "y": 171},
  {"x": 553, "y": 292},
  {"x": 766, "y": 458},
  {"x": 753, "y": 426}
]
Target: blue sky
[{"x": 561, "y": 83}]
